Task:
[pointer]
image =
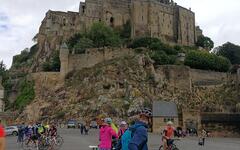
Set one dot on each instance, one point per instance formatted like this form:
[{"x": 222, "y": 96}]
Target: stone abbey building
[
  {"x": 155, "y": 18},
  {"x": 164, "y": 19}
]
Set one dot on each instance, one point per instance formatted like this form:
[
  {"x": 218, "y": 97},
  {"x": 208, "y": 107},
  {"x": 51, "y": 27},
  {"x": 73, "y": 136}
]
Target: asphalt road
[{"x": 74, "y": 141}]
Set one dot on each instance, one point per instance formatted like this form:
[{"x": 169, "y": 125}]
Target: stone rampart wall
[
  {"x": 185, "y": 78},
  {"x": 205, "y": 78},
  {"x": 91, "y": 58}
]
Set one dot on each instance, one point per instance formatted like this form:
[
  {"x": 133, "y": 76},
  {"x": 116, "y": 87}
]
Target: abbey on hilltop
[{"x": 164, "y": 19}]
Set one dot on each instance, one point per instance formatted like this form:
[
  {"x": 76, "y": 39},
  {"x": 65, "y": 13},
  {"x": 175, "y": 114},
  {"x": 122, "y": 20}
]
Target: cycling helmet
[
  {"x": 108, "y": 120},
  {"x": 147, "y": 112},
  {"x": 169, "y": 123},
  {"x": 123, "y": 123}
]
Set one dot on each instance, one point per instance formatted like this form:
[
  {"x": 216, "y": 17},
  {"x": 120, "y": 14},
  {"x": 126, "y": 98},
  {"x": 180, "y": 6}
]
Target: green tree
[
  {"x": 205, "y": 42},
  {"x": 82, "y": 45},
  {"x": 207, "y": 61},
  {"x": 73, "y": 40},
  {"x": 26, "y": 94},
  {"x": 147, "y": 42},
  {"x": 53, "y": 64},
  {"x": 230, "y": 51},
  {"x": 126, "y": 31},
  {"x": 2, "y": 68},
  {"x": 102, "y": 35},
  {"x": 161, "y": 58}
]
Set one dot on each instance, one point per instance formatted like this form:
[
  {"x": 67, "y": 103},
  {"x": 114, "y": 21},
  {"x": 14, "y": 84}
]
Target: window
[
  {"x": 64, "y": 22},
  {"x": 83, "y": 9},
  {"x": 112, "y": 21}
]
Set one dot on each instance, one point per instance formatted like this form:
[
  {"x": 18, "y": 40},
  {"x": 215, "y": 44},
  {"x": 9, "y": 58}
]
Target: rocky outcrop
[{"x": 121, "y": 86}]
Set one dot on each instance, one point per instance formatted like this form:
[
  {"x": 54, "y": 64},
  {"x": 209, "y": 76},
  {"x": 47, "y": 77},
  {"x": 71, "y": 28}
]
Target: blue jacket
[{"x": 140, "y": 137}]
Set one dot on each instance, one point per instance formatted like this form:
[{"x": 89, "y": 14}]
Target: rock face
[{"x": 121, "y": 86}]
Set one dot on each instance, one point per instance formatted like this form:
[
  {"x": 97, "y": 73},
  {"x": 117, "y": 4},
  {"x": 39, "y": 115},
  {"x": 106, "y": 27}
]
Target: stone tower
[{"x": 64, "y": 54}]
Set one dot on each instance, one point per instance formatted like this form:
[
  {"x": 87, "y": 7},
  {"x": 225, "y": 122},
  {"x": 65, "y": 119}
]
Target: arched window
[
  {"x": 64, "y": 22},
  {"x": 112, "y": 21}
]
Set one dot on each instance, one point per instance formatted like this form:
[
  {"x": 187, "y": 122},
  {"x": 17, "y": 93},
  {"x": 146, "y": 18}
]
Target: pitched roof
[{"x": 164, "y": 109}]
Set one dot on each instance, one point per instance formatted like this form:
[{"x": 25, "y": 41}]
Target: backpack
[{"x": 127, "y": 136}]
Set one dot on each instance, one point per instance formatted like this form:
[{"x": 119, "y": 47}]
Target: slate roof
[{"x": 164, "y": 109}]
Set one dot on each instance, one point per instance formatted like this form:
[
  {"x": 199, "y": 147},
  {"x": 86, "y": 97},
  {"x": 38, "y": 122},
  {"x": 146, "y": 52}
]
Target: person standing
[
  {"x": 106, "y": 134},
  {"x": 140, "y": 136},
  {"x": 21, "y": 133},
  {"x": 2, "y": 138},
  {"x": 81, "y": 128},
  {"x": 203, "y": 137},
  {"x": 123, "y": 128}
]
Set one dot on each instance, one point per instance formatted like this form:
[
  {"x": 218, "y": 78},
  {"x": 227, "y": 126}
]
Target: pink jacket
[{"x": 106, "y": 134}]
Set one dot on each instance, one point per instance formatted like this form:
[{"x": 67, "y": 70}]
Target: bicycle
[
  {"x": 172, "y": 146},
  {"x": 50, "y": 142},
  {"x": 29, "y": 144}
]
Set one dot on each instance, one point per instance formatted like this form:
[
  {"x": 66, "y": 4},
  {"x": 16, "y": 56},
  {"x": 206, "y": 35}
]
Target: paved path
[{"x": 74, "y": 141}]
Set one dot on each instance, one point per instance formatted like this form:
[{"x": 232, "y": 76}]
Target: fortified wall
[
  {"x": 178, "y": 76},
  {"x": 70, "y": 62},
  {"x": 185, "y": 78}
]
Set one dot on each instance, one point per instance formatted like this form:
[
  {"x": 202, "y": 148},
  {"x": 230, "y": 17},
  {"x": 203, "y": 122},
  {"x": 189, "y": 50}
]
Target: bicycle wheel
[
  {"x": 28, "y": 145},
  {"x": 174, "y": 147},
  {"x": 43, "y": 143},
  {"x": 161, "y": 147},
  {"x": 59, "y": 141}
]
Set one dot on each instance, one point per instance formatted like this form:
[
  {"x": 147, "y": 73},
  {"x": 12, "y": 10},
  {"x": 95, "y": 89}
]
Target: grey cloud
[
  {"x": 218, "y": 19},
  {"x": 20, "y": 21}
]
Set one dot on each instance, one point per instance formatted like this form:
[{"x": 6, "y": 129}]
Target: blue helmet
[{"x": 108, "y": 120}]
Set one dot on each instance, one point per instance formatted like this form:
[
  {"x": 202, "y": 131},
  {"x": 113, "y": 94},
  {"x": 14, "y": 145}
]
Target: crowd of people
[
  {"x": 135, "y": 136},
  {"x": 33, "y": 132},
  {"x": 127, "y": 137}
]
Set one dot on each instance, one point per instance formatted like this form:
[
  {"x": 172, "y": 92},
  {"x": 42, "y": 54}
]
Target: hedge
[{"x": 207, "y": 61}]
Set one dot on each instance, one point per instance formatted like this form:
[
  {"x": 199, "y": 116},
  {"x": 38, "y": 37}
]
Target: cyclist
[
  {"x": 41, "y": 130},
  {"x": 106, "y": 134},
  {"x": 53, "y": 130},
  {"x": 168, "y": 134},
  {"x": 140, "y": 136}
]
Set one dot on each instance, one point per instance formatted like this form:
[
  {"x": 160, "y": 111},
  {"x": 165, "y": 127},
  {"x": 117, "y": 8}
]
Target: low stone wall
[
  {"x": 185, "y": 77},
  {"x": 91, "y": 58},
  {"x": 208, "y": 78}
]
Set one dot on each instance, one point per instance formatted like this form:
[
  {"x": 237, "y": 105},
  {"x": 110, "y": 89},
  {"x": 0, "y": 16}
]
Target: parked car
[
  {"x": 11, "y": 130},
  {"x": 93, "y": 124},
  {"x": 72, "y": 124}
]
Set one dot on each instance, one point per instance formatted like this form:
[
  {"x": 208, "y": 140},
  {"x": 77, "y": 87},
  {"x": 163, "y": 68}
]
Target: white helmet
[
  {"x": 123, "y": 123},
  {"x": 169, "y": 123}
]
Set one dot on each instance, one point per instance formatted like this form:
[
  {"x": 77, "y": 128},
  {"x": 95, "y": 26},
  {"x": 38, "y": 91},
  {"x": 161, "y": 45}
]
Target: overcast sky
[{"x": 20, "y": 21}]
